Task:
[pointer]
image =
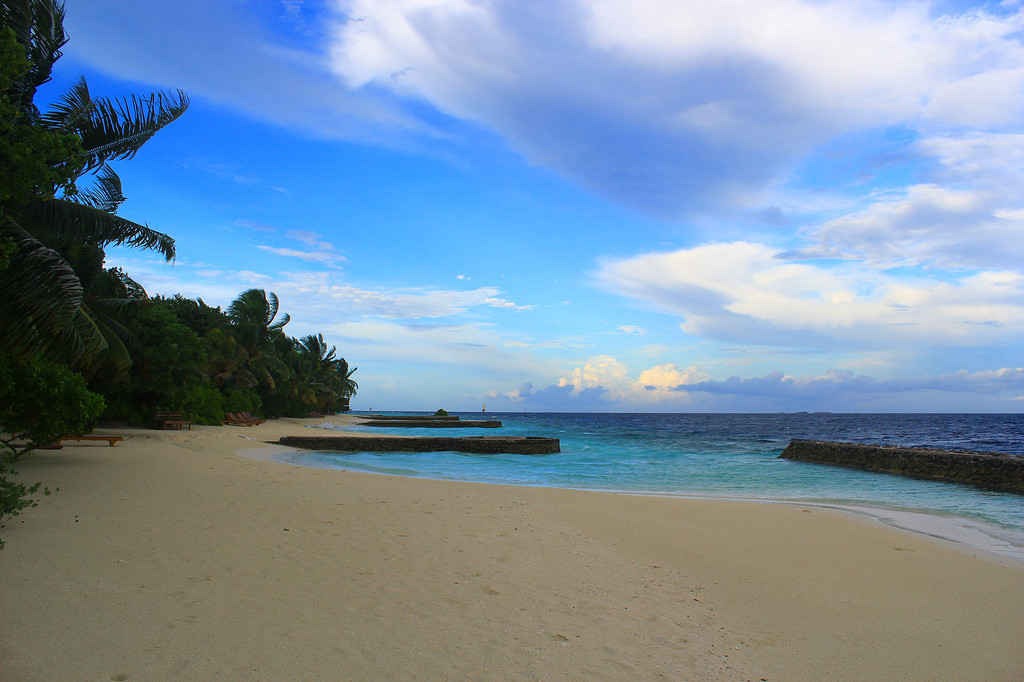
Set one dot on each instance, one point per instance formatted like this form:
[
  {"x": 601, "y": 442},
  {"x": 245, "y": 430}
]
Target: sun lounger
[{"x": 241, "y": 419}]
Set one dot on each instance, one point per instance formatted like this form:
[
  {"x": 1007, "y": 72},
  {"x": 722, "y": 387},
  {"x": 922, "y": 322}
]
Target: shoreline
[
  {"x": 175, "y": 555},
  {"x": 959, "y": 532}
]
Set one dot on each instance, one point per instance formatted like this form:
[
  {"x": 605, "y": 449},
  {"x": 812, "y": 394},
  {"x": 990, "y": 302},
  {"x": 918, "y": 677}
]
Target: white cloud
[
  {"x": 323, "y": 297},
  {"x": 612, "y": 378},
  {"x": 602, "y": 370},
  {"x": 664, "y": 105},
  {"x": 835, "y": 390},
  {"x": 321, "y": 252},
  {"x": 974, "y": 218},
  {"x": 778, "y": 384},
  {"x": 742, "y": 292},
  {"x": 221, "y": 52},
  {"x": 631, "y": 329},
  {"x": 670, "y": 105}
]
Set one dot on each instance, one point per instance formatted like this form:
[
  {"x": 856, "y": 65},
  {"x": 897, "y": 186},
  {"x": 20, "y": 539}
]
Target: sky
[{"x": 592, "y": 205}]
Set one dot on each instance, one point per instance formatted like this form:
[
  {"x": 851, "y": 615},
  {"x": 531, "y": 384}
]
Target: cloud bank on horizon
[{"x": 830, "y": 187}]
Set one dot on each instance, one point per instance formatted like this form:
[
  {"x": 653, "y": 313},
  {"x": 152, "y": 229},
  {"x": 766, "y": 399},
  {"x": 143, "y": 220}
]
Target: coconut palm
[
  {"x": 226, "y": 362},
  {"x": 348, "y": 384},
  {"x": 253, "y": 314},
  {"x": 47, "y": 215},
  {"x": 252, "y": 317},
  {"x": 328, "y": 370}
]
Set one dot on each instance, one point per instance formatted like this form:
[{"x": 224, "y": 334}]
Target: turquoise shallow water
[{"x": 717, "y": 455}]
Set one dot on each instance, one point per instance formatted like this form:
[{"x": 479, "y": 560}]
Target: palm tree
[
  {"x": 45, "y": 217},
  {"x": 252, "y": 317},
  {"x": 348, "y": 384},
  {"x": 253, "y": 314},
  {"x": 226, "y": 362},
  {"x": 331, "y": 372}
]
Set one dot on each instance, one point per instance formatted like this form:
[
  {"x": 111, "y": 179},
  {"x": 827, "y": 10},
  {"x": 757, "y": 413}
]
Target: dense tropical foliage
[
  {"x": 203, "y": 361},
  {"x": 79, "y": 341}
]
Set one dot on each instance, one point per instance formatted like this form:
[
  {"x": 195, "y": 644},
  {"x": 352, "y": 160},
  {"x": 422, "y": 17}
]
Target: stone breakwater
[
  {"x": 490, "y": 445},
  {"x": 433, "y": 424},
  {"x": 408, "y": 418},
  {"x": 986, "y": 469}
]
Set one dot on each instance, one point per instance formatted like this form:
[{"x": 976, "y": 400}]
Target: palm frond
[
  {"x": 116, "y": 287},
  {"x": 105, "y": 194},
  {"x": 61, "y": 221},
  {"x": 284, "y": 319},
  {"x": 113, "y": 129},
  {"x": 38, "y": 26},
  {"x": 273, "y": 305},
  {"x": 115, "y": 360},
  {"x": 71, "y": 111},
  {"x": 41, "y": 297}
]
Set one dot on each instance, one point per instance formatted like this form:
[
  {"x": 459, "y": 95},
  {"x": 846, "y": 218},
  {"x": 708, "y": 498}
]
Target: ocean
[{"x": 734, "y": 456}]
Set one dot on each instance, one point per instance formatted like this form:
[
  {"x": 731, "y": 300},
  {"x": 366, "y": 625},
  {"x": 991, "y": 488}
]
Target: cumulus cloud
[
  {"x": 608, "y": 379},
  {"x": 741, "y": 292},
  {"x": 838, "y": 390}
]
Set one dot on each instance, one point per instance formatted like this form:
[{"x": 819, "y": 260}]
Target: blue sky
[{"x": 590, "y": 205}]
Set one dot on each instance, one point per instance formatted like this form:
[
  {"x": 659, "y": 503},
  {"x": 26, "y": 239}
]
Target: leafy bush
[
  {"x": 242, "y": 400},
  {"x": 203, "y": 405},
  {"x": 15, "y": 496},
  {"x": 40, "y": 401}
]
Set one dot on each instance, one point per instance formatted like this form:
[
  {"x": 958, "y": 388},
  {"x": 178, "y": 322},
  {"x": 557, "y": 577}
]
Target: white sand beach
[{"x": 173, "y": 556}]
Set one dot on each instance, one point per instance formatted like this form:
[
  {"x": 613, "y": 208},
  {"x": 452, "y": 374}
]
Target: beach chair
[
  {"x": 241, "y": 419},
  {"x": 235, "y": 419}
]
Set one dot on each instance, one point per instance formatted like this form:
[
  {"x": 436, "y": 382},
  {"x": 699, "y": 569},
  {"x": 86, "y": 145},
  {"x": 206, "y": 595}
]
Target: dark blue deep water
[{"x": 721, "y": 455}]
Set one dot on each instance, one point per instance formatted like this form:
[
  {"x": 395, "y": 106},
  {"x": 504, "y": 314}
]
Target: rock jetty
[
  {"x": 409, "y": 417},
  {"x": 433, "y": 423},
  {"x": 522, "y": 445},
  {"x": 986, "y": 469}
]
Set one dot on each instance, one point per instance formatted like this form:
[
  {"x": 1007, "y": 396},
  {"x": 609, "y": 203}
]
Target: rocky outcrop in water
[{"x": 986, "y": 469}]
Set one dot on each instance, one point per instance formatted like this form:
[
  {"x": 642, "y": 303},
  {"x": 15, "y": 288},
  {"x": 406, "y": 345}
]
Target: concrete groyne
[
  {"x": 409, "y": 417},
  {"x": 432, "y": 423},
  {"x": 986, "y": 469},
  {"x": 522, "y": 445}
]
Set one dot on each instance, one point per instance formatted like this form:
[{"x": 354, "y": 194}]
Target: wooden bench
[
  {"x": 166, "y": 419},
  {"x": 109, "y": 439}
]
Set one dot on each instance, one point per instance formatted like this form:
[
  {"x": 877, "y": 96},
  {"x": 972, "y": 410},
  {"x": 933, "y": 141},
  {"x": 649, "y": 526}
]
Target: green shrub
[
  {"x": 242, "y": 400},
  {"x": 40, "y": 401},
  {"x": 203, "y": 404}
]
